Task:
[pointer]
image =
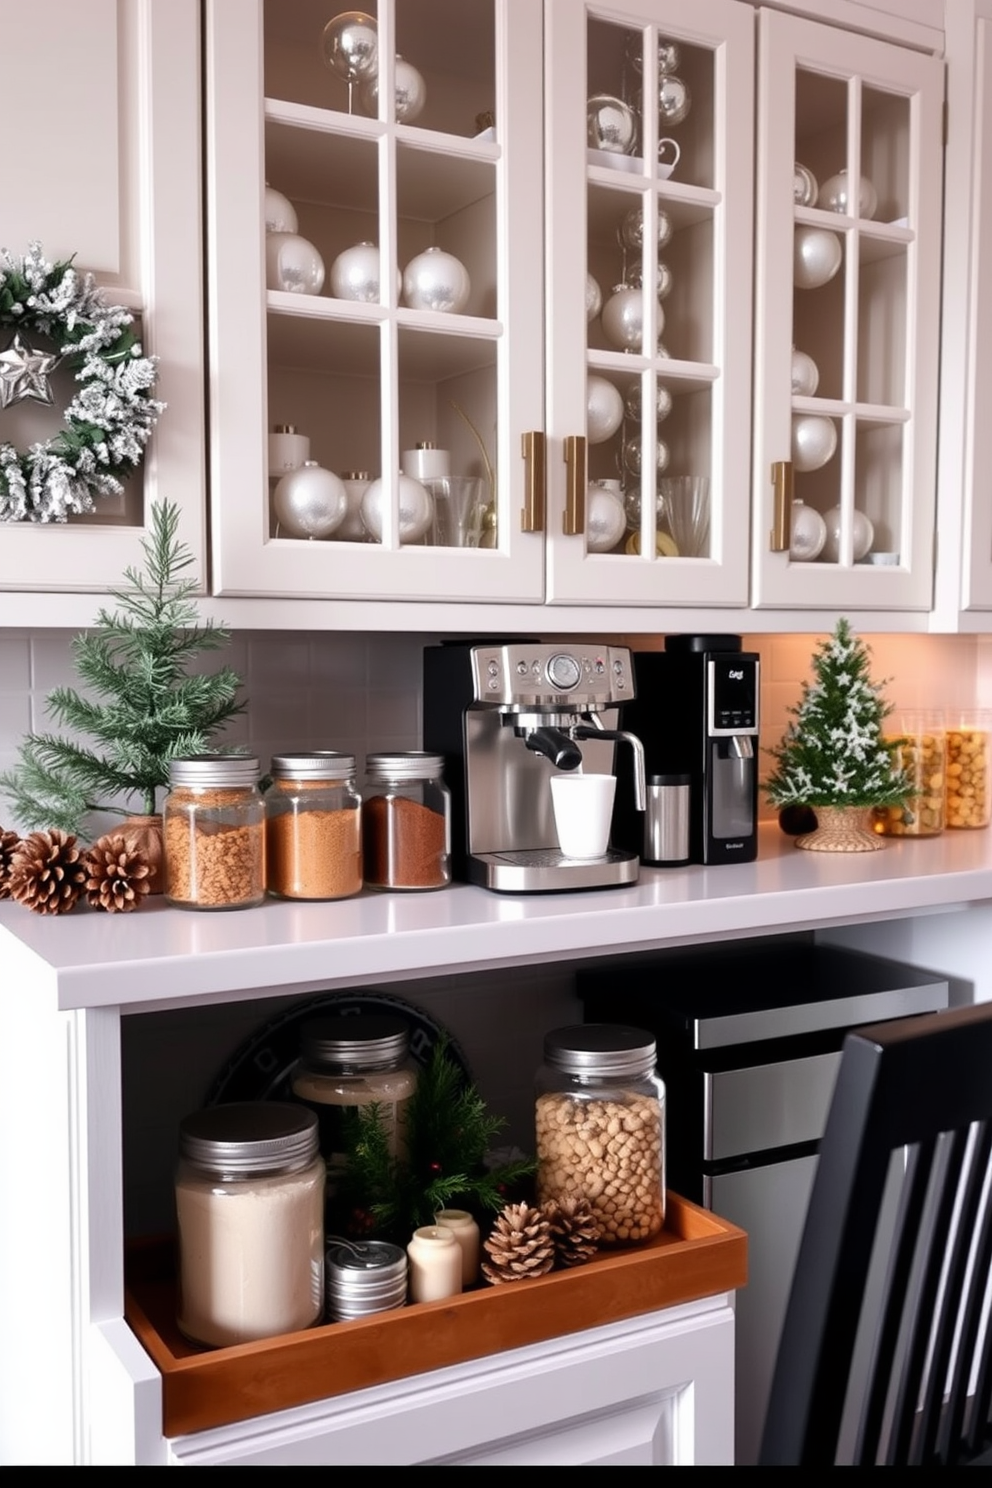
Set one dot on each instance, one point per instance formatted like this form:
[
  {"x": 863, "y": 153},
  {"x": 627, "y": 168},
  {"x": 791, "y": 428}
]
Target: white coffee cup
[{"x": 583, "y": 808}]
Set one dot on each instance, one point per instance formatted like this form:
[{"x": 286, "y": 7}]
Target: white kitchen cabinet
[
  {"x": 529, "y": 215},
  {"x": 106, "y": 170},
  {"x": 964, "y": 564},
  {"x": 859, "y": 447}
]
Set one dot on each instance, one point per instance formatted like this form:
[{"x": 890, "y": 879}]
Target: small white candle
[
  {"x": 435, "y": 1264},
  {"x": 467, "y": 1234}
]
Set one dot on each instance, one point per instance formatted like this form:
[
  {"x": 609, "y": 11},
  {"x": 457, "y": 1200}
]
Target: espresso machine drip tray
[{"x": 545, "y": 870}]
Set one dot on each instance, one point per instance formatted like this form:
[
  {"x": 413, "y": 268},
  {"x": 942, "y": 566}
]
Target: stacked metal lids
[{"x": 362, "y": 1277}]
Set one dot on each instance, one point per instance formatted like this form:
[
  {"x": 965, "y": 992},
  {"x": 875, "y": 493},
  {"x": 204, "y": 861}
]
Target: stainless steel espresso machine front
[{"x": 506, "y": 716}]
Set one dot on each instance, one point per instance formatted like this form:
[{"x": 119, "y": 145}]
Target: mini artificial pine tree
[
  {"x": 137, "y": 657},
  {"x": 833, "y": 752}
]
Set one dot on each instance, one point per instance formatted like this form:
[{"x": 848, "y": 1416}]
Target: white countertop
[{"x": 160, "y": 956}]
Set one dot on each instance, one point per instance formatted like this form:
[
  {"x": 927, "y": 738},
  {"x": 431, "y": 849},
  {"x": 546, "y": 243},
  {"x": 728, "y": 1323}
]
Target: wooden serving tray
[{"x": 696, "y": 1255}]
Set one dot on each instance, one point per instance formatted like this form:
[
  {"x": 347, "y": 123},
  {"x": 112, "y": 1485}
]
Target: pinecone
[
  {"x": 574, "y": 1229},
  {"x": 8, "y": 842},
  {"x": 117, "y": 875},
  {"x": 519, "y": 1246},
  {"x": 46, "y": 872}
]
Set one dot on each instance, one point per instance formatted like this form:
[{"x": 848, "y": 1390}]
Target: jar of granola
[
  {"x": 600, "y": 1128},
  {"x": 214, "y": 833},
  {"x": 918, "y": 741},
  {"x": 968, "y": 802}
]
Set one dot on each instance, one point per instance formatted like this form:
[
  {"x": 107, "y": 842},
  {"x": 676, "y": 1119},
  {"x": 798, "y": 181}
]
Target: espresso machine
[
  {"x": 506, "y": 716},
  {"x": 697, "y": 712}
]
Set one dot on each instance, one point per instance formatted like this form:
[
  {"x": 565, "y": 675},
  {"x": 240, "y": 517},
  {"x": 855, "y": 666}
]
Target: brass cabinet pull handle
[
  {"x": 576, "y": 458},
  {"x": 782, "y": 480},
  {"x": 535, "y": 479}
]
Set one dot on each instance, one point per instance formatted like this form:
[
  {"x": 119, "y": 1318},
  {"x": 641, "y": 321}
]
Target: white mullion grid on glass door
[
  {"x": 389, "y": 356},
  {"x": 852, "y": 279}
]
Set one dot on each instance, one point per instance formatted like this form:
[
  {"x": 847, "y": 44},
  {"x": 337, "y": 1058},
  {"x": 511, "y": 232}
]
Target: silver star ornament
[{"x": 24, "y": 373}]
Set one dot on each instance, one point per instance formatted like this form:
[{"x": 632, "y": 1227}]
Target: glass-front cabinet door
[
  {"x": 376, "y": 298},
  {"x": 849, "y": 173},
  {"x": 648, "y": 222}
]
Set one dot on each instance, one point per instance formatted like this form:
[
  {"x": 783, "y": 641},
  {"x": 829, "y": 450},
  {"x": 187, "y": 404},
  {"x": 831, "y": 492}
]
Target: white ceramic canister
[{"x": 426, "y": 462}]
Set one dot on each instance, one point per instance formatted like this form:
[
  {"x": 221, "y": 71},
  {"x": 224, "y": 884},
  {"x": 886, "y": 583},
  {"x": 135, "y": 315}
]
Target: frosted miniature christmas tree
[{"x": 833, "y": 752}]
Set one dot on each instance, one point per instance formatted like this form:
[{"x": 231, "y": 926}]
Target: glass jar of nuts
[
  {"x": 968, "y": 802},
  {"x": 918, "y": 743},
  {"x": 600, "y": 1128}
]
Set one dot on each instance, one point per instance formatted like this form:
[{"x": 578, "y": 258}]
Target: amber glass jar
[
  {"x": 214, "y": 831},
  {"x": 313, "y": 829}
]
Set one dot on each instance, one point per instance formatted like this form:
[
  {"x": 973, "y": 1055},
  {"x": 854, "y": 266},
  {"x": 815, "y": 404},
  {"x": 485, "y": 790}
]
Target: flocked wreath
[{"x": 107, "y": 423}]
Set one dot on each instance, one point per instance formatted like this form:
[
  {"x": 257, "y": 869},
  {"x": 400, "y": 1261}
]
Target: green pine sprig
[
  {"x": 448, "y": 1133},
  {"x": 143, "y": 707}
]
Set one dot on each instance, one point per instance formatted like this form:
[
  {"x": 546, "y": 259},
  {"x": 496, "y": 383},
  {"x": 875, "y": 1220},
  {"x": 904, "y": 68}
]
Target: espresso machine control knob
[{"x": 564, "y": 671}]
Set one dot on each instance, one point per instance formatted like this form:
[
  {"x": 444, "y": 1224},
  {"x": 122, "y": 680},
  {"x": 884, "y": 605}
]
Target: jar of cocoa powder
[
  {"x": 600, "y": 1128},
  {"x": 214, "y": 833},
  {"x": 406, "y": 822},
  {"x": 313, "y": 827}
]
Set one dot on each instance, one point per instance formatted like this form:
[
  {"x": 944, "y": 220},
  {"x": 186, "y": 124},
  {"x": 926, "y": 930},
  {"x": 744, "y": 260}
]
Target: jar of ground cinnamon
[
  {"x": 214, "y": 833},
  {"x": 313, "y": 829},
  {"x": 406, "y": 822}
]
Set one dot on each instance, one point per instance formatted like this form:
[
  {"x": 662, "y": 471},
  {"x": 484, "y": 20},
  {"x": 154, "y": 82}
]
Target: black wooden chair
[{"x": 886, "y": 1349}]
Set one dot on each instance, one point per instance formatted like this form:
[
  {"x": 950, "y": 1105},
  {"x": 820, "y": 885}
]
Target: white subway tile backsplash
[{"x": 359, "y": 692}]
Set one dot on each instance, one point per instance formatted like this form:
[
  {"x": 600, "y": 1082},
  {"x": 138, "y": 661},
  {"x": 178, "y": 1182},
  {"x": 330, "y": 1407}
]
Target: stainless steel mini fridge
[{"x": 749, "y": 1038}]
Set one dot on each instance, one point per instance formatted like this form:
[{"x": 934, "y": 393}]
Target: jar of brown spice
[
  {"x": 214, "y": 833},
  {"x": 406, "y": 822},
  {"x": 313, "y": 828}
]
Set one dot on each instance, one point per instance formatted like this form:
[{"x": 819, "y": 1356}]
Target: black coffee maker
[{"x": 695, "y": 710}]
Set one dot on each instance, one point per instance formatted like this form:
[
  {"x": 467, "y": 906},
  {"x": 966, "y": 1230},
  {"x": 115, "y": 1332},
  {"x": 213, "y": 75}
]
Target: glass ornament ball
[
  {"x": 669, "y": 55},
  {"x": 814, "y": 440},
  {"x": 674, "y": 100},
  {"x": 356, "y": 275},
  {"x": 604, "y": 409},
  {"x": 416, "y": 509},
  {"x": 594, "y": 298},
  {"x": 817, "y": 256},
  {"x": 836, "y": 196},
  {"x": 804, "y": 186},
  {"x": 611, "y": 124},
  {"x": 309, "y": 502},
  {"x": 805, "y": 374},
  {"x": 633, "y": 458},
  {"x": 630, "y": 233},
  {"x": 436, "y": 280},
  {"x": 409, "y": 92},
  {"x": 862, "y": 535},
  {"x": 662, "y": 279},
  {"x": 292, "y": 263},
  {"x": 633, "y": 400},
  {"x": 808, "y": 533},
  {"x": 606, "y": 519},
  {"x": 350, "y": 46},
  {"x": 623, "y": 318},
  {"x": 280, "y": 214}
]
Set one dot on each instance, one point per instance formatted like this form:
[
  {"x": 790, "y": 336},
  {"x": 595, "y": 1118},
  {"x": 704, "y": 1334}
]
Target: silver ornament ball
[
  {"x": 805, "y": 374},
  {"x": 310, "y": 502},
  {"x": 350, "y": 46},
  {"x": 280, "y": 214},
  {"x": 633, "y": 401},
  {"x": 409, "y": 92},
  {"x": 606, "y": 520},
  {"x": 804, "y": 187},
  {"x": 292, "y": 263},
  {"x": 611, "y": 124},
  {"x": 862, "y": 535},
  {"x": 594, "y": 298},
  {"x": 814, "y": 440},
  {"x": 436, "y": 280},
  {"x": 355, "y": 274},
  {"x": 416, "y": 509},
  {"x": 808, "y": 533},
  {"x": 817, "y": 255},
  {"x": 604, "y": 409},
  {"x": 836, "y": 196},
  {"x": 630, "y": 233}
]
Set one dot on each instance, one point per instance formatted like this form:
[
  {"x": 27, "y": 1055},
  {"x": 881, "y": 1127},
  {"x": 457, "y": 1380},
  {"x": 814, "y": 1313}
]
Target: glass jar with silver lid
[
  {"x": 406, "y": 822},
  {"x": 249, "y": 1192},
  {"x": 600, "y": 1127},
  {"x": 313, "y": 828},
  {"x": 214, "y": 833}
]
